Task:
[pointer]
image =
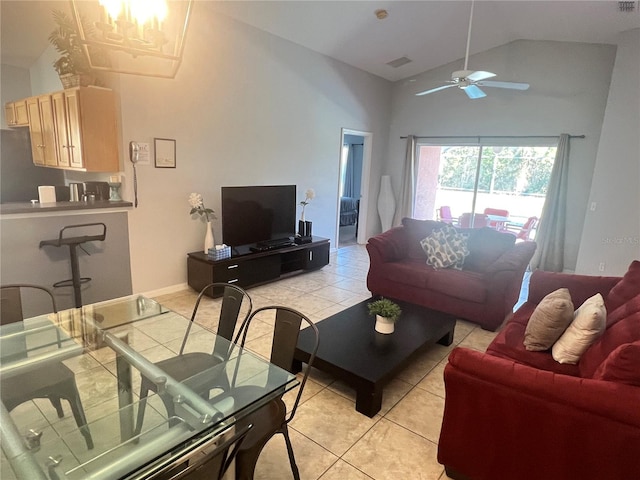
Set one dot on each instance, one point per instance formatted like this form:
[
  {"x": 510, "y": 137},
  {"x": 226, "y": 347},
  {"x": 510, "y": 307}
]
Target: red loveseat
[
  {"x": 484, "y": 291},
  {"x": 515, "y": 414}
]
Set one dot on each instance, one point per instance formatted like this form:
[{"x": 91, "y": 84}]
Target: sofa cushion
[
  {"x": 549, "y": 320},
  {"x": 469, "y": 286},
  {"x": 628, "y": 308},
  {"x": 589, "y": 322},
  {"x": 622, "y": 365},
  {"x": 416, "y": 230},
  {"x": 625, "y": 289},
  {"x": 486, "y": 245},
  {"x": 509, "y": 344},
  {"x": 626, "y": 330},
  {"x": 445, "y": 248},
  {"x": 408, "y": 272}
]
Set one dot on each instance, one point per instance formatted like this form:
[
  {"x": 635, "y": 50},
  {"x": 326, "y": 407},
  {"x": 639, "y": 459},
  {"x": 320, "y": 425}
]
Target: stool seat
[
  {"x": 58, "y": 242},
  {"x": 73, "y": 242}
]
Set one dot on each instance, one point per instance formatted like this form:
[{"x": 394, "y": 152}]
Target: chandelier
[{"x": 138, "y": 37}]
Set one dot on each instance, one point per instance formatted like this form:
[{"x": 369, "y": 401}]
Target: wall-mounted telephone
[
  {"x": 134, "y": 155},
  {"x": 134, "y": 152}
]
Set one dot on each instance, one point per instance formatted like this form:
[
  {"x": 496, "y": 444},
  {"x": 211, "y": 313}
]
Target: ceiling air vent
[
  {"x": 398, "y": 62},
  {"x": 626, "y": 6}
]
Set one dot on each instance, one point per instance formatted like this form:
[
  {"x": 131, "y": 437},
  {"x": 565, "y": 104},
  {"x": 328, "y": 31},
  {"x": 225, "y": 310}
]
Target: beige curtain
[
  {"x": 551, "y": 230},
  {"x": 408, "y": 186}
]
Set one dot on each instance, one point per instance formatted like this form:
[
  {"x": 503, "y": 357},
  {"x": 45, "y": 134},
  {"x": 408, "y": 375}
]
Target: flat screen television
[{"x": 255, "y": 214}]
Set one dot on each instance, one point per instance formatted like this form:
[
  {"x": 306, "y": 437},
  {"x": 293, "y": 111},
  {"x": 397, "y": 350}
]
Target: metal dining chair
[
  {"x": 185, "y": 365},
  {"x": 53, "y": 380},
  {"x": 272, "y": 418},
  {"x": 204, "y": 463}
]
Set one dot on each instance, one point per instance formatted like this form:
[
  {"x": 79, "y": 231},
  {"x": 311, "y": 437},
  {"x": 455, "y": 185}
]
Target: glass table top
[{"x": 107, "y": 346}]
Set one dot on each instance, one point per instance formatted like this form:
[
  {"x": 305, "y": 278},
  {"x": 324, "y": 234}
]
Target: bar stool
[{"x": 73, "y": 243}]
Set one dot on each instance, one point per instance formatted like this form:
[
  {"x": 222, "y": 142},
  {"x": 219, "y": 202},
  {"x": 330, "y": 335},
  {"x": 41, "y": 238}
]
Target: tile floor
[{"x": 331, "y": 440}]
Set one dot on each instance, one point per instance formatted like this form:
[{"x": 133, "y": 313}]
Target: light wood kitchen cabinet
[
  {"x": 16, "y": 113},
  {"x": 90, "y": 122},
  {"x": 42, "y": 130},
  {"x": 75, "y": 129},
  {"x": 63, "y": 145}
]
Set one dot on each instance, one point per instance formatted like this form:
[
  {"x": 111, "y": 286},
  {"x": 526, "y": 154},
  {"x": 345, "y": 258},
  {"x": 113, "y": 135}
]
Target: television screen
[{"x": 258, "y": 214}]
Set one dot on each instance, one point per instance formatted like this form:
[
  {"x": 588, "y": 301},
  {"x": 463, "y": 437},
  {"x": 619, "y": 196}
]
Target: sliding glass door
[{"x": 506, "y": 183}]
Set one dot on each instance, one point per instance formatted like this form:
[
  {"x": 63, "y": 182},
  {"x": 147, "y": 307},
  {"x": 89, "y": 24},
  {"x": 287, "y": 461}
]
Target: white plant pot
[{"x": 384, "y": 325}]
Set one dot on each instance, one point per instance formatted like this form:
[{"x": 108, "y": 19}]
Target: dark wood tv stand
[{"x": 247, "y": 269}]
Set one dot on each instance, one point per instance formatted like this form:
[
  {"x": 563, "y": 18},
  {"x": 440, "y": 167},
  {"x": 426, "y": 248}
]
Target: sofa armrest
[
  {"x": 389, "y": 246},
  {"x": 581, "y": 287},
  {"x": 507, "y": 420}
]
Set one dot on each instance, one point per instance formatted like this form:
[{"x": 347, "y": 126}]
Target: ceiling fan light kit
[{"x": 470, "y": 81}]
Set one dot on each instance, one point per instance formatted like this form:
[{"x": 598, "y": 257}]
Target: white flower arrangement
[
  {"x": 310, "y": 194},
  {"x": 198, "y": 208}
]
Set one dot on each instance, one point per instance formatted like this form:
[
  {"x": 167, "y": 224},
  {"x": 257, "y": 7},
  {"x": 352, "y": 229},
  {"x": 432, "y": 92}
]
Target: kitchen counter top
[{"x": 70, "y": 207}]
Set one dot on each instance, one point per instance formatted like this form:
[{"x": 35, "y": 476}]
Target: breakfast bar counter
[{"x": 69, "y": 207}]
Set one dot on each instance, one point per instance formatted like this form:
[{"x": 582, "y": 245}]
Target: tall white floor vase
[
  {"x": 386, "y": 203},
  {"x": 208, "y": 238}
]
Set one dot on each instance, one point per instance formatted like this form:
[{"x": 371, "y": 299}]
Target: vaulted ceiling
[{"x": 429, "y": 33}]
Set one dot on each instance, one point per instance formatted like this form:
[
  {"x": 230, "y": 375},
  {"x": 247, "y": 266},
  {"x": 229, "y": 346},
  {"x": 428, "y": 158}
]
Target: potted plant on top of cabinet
[{"x": 73, "y": 66}]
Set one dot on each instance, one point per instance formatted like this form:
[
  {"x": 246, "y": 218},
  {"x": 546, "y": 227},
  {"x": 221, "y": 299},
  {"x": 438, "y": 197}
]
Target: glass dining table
[{"x": 108, "y": 346}]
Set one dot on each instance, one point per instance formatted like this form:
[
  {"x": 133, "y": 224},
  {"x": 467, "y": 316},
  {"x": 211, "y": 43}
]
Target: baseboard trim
[{"x": 166, "y": 290}]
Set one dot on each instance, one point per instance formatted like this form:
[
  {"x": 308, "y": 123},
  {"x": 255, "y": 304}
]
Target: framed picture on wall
[{"x": 165, "y": 150}]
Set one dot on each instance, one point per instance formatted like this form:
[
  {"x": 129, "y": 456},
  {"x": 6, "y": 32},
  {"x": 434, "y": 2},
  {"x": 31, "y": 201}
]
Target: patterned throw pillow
[{"x": 445, "y": 248}]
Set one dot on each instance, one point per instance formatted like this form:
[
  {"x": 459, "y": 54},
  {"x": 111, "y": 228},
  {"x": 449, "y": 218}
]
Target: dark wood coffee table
[{"x": 351, "y": 350}]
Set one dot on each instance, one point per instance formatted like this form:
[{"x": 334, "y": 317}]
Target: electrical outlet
[
  {"x": 601, "y": 267},
  {"x": 593, "y": 206}
]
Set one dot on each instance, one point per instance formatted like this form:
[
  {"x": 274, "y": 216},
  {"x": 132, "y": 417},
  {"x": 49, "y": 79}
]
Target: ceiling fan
[{"x": 470, "y": 81}]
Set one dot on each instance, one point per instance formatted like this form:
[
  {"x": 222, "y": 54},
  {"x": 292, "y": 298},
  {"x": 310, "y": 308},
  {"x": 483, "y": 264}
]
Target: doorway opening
[{"x": 353, "y": 187}]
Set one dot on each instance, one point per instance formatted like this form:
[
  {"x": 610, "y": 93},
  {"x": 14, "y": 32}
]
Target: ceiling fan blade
[
  {"x": 426, "y": 92},
  {"x": 474, "y": 92},
  {"x": 480, "y": 75},
  {"x": 511, "y": 85}
]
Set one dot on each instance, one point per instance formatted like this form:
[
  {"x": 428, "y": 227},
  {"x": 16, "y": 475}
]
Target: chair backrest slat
[
  {"x": 10, "y": 305},
  {"x": 285, "y": 338}
]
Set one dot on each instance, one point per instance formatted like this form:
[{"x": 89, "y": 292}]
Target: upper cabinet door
[
  {"x": 20, "y": 113},
  {"x": 75, "y": 135},
  {"x": 48, "y": 131},
  {"x": 35, "y": 130},
  {"x": 62, "y": 131},
  {"x": 16, "y": 113}
]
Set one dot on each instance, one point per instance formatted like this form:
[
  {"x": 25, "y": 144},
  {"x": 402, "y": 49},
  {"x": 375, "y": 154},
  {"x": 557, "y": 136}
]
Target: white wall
[
  {"x": 612, "y": 232},
  {"x": 16, "y": 84},
  {"x": 245, "y": 108},
  {"x": 568, "y": 94}
]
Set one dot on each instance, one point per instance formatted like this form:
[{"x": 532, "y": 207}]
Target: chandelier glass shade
[{"x": 138, "y": 37}]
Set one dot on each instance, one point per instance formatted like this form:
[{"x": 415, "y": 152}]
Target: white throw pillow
[{"x": 589, "y": 322}]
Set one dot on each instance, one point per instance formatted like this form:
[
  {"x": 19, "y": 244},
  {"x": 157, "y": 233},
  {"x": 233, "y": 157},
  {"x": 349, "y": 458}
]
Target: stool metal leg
[{"x": 75, "y": 275}]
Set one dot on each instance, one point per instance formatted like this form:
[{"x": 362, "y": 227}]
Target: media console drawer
[{"x": 257, "y": 268}]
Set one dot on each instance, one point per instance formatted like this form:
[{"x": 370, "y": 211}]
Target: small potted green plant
[{"x": 386, "y": 312}]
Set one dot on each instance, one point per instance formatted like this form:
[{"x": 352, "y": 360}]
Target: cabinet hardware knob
[{"x": 232, "y": 266}]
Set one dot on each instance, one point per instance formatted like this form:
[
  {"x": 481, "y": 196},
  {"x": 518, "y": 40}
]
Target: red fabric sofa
[
  {"x": 484, "y": 291},
  {"x": 515, "y": 414}
]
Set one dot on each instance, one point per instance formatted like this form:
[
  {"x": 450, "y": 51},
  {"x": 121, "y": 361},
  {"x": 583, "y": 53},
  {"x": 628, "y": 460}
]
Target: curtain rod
[{"x": 496, "y": 136}]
